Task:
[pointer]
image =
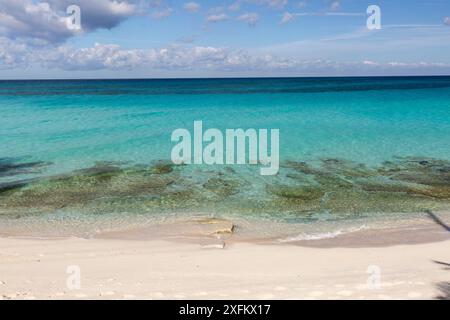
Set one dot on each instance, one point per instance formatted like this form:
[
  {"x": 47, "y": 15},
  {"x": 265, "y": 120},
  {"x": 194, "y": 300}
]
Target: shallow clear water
[{"x": 57, "y": 127}]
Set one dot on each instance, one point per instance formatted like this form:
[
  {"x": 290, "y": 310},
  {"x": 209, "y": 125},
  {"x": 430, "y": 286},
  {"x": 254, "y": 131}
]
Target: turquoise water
[
  {"x": 73, "y": 124},
  {"x": 50, "y": 128}
]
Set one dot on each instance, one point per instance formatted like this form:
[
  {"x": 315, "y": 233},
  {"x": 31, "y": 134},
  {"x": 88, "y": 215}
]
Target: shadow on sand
[
  {"x": 436, "y": 219},
  {"x": 443, "y": 287}
]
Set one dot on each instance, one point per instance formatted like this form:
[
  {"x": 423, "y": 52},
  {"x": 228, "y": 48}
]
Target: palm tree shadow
[
  {"x": 436, "y": 219},
  {"x": 443, "y": 287},
  {"x": 446, "y": 265}
]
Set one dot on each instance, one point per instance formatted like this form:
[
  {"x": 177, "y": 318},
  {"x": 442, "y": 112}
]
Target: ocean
[{"x": 93, "y": 153}]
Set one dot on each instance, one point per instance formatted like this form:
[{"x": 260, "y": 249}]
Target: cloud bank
[{"x": 188, "y": 58}]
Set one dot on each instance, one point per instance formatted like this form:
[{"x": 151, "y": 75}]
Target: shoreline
[
  {"x": 205, "y": 230},
  {"x": 364, "y": 239}
]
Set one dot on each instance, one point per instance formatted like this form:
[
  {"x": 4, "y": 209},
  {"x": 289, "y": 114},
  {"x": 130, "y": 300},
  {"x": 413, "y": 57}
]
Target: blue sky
[{"x": 158, "y": 38}]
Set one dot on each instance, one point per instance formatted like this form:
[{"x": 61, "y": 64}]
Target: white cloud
[
  {"x": 46, "y": 21},
  {"x": 217, "y": 10},
  {"x": 250, "y": 18},
  {"x": 162, "y": 13},
  {"x": 335, "y": 5},
  {"x": 235, "y": 6},
  {"x": 274, "y": 4},
  {"x": 217, "y": 18},
  {"x": 447, "y": 21},
  {"x": 287, "y": 17},
  {"x": 12, "y": 54},
  {"x": 192, "y": 7},
  {"x": 278, "y": 4}
]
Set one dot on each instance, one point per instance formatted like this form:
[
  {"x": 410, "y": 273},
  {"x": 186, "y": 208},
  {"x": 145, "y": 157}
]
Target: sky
[{"x": 236, "y": 38}]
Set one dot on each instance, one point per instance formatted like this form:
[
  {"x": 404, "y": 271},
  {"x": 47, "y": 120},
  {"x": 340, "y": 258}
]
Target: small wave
[{"x": 320, "y": 236}]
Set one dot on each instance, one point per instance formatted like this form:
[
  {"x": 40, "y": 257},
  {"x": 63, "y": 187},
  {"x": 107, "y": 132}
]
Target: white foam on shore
[{"x": 320, "y": 236}]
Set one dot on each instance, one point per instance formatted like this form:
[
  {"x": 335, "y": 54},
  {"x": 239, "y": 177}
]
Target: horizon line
[{"x": 225, "y": 78}]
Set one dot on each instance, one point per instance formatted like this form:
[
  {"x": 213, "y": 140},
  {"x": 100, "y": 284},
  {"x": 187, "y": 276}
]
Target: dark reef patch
[
  {"x": 405, "y": 184},
  {"x": 162, "y": 167},
  {"x": 297, "y": 192},
  {"x": 222, "y": 187},
  {"x": 335, "y": 186},
  {"x": 12, "y": 167}
]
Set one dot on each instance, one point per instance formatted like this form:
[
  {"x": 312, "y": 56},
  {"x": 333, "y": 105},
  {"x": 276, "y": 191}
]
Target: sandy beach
[{"x": 155, "y": 269}]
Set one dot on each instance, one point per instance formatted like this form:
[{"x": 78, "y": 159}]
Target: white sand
[{"x": 121, "y": 269}]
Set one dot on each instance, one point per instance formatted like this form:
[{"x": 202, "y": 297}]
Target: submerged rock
[
  {"x": 296, "y": 192},
  {"x": 439, "y": 192},
  {"x": 82, "y": 187},
  {"x": 386, "y": 186},
  {"x": 162, "y": 168},
  {"x": 332, "y": 182},
  {"x": 398, "y": 187},
  {"x": 346, "y": 168},
  {"x": 216, "y": 226},
  {"x": 13, "y": 186},
  {"x": 99, "y": 169},
  {"x": 222, "y": 187},
  {"x": 302, "y": 167}
]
